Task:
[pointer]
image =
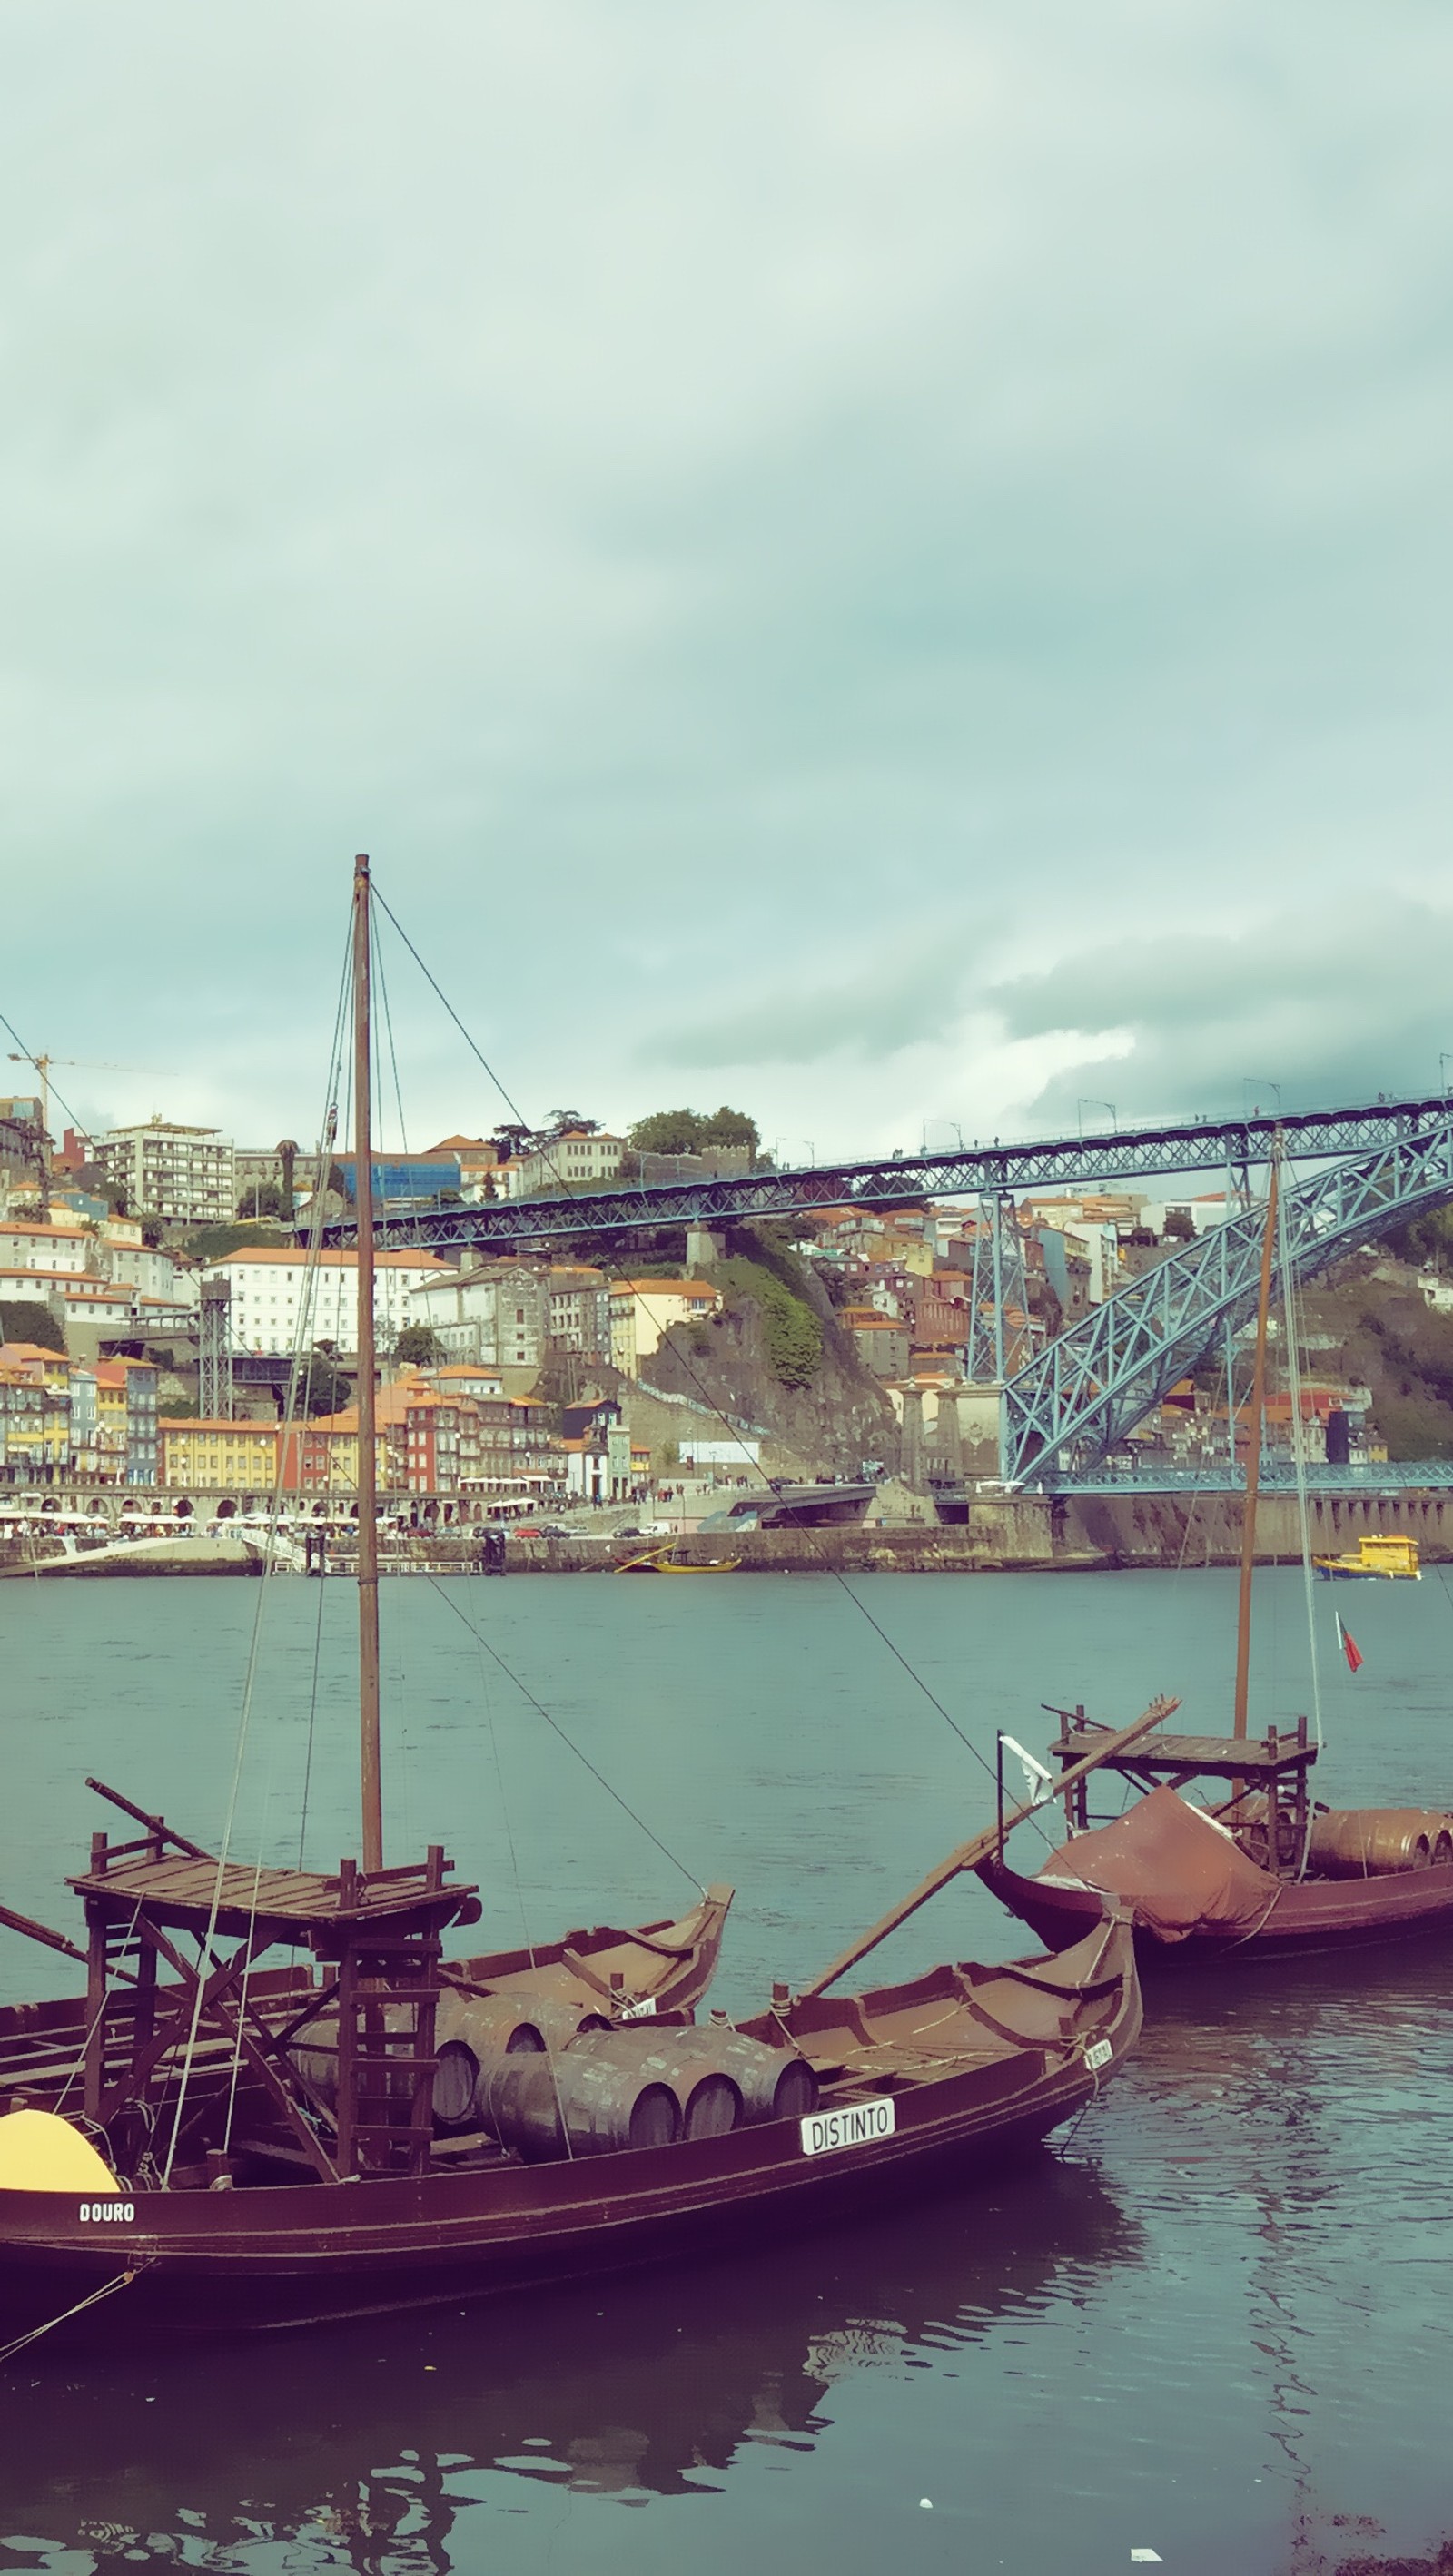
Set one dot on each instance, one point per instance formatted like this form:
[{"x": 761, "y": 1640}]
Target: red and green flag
[{"x": 1348, "y": 1644}]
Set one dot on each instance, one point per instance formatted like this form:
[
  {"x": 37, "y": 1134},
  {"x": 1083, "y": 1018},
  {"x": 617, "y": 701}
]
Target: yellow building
[
  {"x": 224, "y": 1455},
  {"x": 35, "y": 1426},
  {"x": 642, "y": 1310}
]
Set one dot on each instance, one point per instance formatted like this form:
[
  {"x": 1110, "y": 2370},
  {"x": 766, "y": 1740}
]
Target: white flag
[{"x": 1038, "y": 1784}]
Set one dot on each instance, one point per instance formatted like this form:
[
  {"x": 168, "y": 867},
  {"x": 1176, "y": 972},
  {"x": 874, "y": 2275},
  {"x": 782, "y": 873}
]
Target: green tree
[
  {"x": 25, "y": 1319},
  {"x": 667, "y": 1131},
  {"x": 325, "y": 1387},
  {"x": 263, "y": 1198},
  {"x": 687, "y": 1131},
  {"x": 730, "y": 1127},
  {"x": 418, "y": 1346},
  {"x": 214, "y": 1242}
]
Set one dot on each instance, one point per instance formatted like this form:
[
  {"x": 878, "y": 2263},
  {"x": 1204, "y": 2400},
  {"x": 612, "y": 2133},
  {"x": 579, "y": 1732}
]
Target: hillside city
[{"x": 851, "y": 1343}]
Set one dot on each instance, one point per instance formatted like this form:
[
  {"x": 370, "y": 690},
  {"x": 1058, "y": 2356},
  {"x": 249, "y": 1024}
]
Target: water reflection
[{"x": 369, "y": 2441}]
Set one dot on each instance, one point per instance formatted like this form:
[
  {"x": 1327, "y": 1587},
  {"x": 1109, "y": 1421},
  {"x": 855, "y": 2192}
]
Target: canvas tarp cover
[{"x": 1178, "y": 1872}]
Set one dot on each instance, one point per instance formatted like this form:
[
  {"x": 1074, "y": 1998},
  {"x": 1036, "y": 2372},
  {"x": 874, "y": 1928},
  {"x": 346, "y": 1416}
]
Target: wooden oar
[
  {"x": 40, "y": 1932},
  {"x": 156, "y": 1824},
  {"x": 969, "y": 1854}
]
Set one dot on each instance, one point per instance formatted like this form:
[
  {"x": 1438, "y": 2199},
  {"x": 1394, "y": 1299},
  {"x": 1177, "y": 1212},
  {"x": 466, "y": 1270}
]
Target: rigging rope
[
  {"x": 1299, "y": 1446},
  {"x": 305, "y": 1311},
  {"x": 708, "y": 1400},
  {"x": 556, "y": 1728},
  {"x": 93, "y": 2298}
]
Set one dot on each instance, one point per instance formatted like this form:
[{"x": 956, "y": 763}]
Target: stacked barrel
[{"x": 550, "y": 2080}]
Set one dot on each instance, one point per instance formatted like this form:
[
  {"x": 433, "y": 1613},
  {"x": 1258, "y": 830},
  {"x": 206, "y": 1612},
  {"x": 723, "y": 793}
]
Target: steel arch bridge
[
  {"x": 1073, "y": 1404},
  {"x": 1182, "y": 1147}
]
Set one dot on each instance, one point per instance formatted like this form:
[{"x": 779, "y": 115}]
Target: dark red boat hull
[
  {"x": 300, "y": 2254},
  {"x": 1307, "y": 1921}
]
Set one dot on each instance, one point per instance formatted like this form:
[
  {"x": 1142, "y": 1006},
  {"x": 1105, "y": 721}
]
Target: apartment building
[
  {"x": 228, "y": 1457},
  {"x": 280, "y": 1298},
  {"x": 186, "y": 1174},
  {"x": 497, "y": 1316},
  {"x": 27, "y": 1246}
]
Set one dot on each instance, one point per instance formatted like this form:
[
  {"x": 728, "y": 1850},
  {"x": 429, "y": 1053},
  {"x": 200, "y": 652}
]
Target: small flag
[
  {"x": 1036, "y": 1778},
  {"x": 1348, "y": 1644}
]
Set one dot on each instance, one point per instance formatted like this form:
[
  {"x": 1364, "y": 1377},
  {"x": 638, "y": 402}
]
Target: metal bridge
[
  {"x": 1065, "y": 1412},
  {"x": 1079, "y": 1397},
  {"x": 1386, "y": 1479},
  {"x": 1210, "y": 1147}
]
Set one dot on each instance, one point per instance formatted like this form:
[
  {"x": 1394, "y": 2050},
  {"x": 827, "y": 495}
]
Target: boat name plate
[
  {"x": 1100, "y": 2054},
  {"x": 857, "y": 2124},
  {"x": 104, "y": 2209},
  {"x": 645, "y": 2010}
]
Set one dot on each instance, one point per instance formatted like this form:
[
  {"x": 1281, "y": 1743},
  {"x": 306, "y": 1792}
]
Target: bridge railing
[{"x": 1183, "y": 1147}]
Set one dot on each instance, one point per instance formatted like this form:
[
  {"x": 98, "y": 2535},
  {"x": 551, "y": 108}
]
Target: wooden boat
[
  {"x": 259, "y": 2147},
  {"x": 687, "y": 2364},
  {"x": 911, "y": 2080},
  {"x": 310, "y": 2210},
  {"x": 1379, "y": 1557},
  {"x": 1197, "y": 1895},
  {"x": 664, "y": 1560},
  {"x": 1263, "y": 1876}
]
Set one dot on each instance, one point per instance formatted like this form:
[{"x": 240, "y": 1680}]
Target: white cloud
[{"x": 728, "y": 509}]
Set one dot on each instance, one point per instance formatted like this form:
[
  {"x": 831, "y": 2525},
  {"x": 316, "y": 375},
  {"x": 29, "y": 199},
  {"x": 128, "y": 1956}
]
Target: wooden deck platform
[
  {"x": 1187, "y": 1757},
  {"x": 178, "y": 1890}
]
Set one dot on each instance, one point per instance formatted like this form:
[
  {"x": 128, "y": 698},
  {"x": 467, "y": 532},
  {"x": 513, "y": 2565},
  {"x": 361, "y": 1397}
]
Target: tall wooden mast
[
  {"x": 370, "y": 1765},
  {"x": 1253, "y": 1454}
]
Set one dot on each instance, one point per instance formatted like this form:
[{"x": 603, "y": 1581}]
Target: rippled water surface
[{"x": 1212, "y": 2318}]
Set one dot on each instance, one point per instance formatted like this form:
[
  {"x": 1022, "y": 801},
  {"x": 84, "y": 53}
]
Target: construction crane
[{"x": 39, "y": 1152}]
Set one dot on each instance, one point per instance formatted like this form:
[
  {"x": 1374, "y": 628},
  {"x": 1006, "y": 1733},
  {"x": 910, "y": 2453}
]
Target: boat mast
[
  {"x": 370, "y": 1767},
  {"x": 1253, "y": 1451}
]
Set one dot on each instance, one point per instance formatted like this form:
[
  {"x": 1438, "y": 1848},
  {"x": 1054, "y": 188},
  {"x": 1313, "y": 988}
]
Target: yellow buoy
[{"x": 39, "y": 2151}]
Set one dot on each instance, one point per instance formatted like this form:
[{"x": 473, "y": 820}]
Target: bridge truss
[
  {"x": 1185, "y": 1147},
  {"x": 1077, "y": 1400}
]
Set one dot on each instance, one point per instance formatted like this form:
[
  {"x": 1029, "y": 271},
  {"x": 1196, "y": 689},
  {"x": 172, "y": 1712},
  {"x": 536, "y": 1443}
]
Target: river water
[{"x": 1212, "y": 2322}]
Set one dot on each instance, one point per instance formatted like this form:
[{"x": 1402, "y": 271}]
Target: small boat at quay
[
  {"x": 1377, "y": 1558},
  {"x": 668, "y": 1560},
  {"x": 1261, "y": 1875},
  {"x": 206, "y": 2142}
]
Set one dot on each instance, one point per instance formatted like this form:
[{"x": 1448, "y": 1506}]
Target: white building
[
  {"x": 572, "y": 1161},
  {"x": 182, "y": 1173},
  {"x": 76, "y": 1296},
  {"x": 145, "y": 1267},
  {"x": 27, "y": 1246},
  {"x": 497, "y": 1315},
  {"x": 272, "y": 1287}
]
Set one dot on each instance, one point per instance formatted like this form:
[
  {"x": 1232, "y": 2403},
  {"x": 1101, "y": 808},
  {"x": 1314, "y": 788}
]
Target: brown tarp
[{"x": 1177, "y": 1871}]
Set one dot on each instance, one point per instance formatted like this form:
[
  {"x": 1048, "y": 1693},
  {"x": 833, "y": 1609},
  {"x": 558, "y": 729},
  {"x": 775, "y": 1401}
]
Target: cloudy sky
[{"x": 884, "y": 561}]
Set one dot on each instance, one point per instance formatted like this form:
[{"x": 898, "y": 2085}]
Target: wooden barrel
[
  {"x": 537, "y": 2103},
  {"x": 776, "y": 2083},
  {"x": 770, "y": 2083},
  {"x": 473, "y": 2033},
  {"x": 1379, "y": 1842}
]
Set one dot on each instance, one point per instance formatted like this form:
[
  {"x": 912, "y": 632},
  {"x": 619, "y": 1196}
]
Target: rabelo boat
[
  {"x": 204, "y": 2142},
  {"x": 1258, "y": 1874}
]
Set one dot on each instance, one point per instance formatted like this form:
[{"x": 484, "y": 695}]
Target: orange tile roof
[
  {"x": 299, "y": 1257},
  {"x": 205, "y": 1422}
]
